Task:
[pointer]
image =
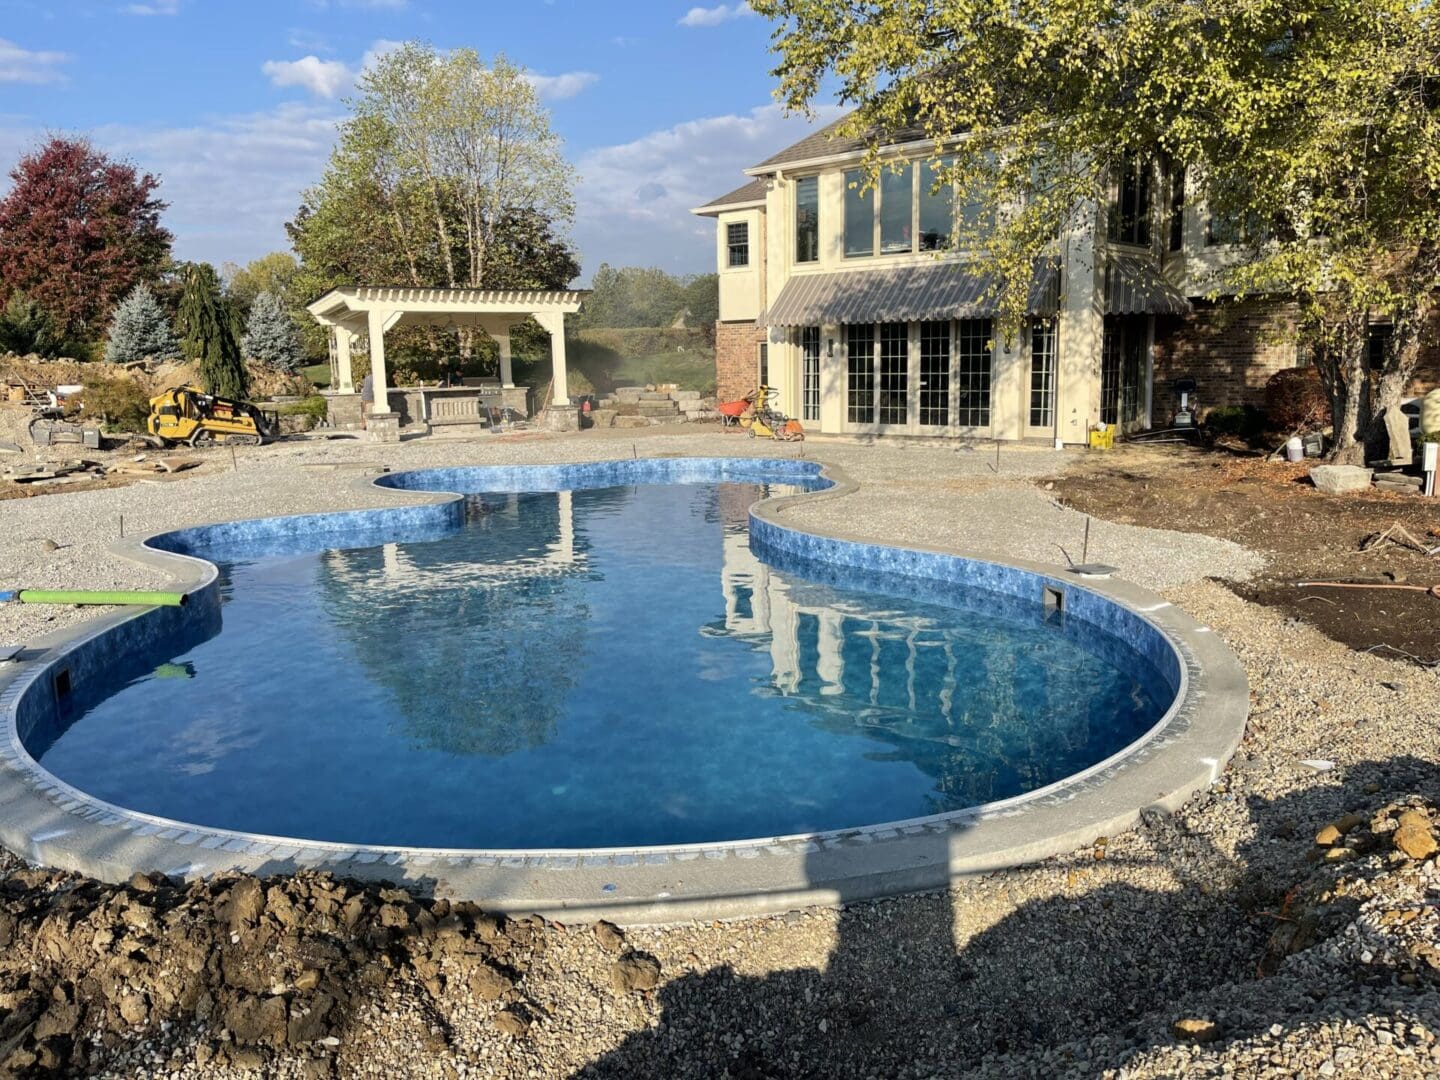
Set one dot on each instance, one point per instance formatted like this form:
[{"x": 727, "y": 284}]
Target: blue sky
[{"x": 233, "y": 103}]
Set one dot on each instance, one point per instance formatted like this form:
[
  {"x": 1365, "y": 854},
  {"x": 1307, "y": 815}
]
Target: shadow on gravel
[{"x": 1075, "y": 982}]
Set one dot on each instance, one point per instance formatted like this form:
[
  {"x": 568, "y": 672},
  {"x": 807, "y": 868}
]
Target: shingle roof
[
  {"x": 752, "y": 192},
  {"x": 823, "y": 143}
]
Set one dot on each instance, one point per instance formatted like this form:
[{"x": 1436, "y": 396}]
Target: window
[
  {"x": 897, "y": 189},
  {"x": 894, "y": 373},
  {"x": 859, "y": 216},
  {"x": 807, "y": 219},
  {"x": 737, "y": 240},
  {"x": 1042, "y": 373},
  {"x": 937, "y": 207},
  {"x": 860, "y": 374},
  {"x": 810, "y": 373},
  {"x": 1130, "y": 212},
  {"x": 935, "y": 374},
  {"x": 972, "y": 373},
  {"x": 1177, "y": 208},
  {"x": 764, "y": 364}
]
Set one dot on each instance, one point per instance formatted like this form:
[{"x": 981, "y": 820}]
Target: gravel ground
[{"x": 1278, "y": 956}]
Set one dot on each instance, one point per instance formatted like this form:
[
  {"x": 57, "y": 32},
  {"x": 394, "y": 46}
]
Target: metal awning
[
  {"x": 937, "y": 290},
  {"x": 1136, "y": 287}
]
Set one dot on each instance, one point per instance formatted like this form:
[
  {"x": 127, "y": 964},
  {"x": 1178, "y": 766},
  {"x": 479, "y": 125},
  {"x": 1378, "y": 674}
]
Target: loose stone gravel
[{"x": 1226, "y": 918}]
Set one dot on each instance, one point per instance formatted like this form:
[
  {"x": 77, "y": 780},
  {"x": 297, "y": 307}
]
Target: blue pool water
[{"x": 605, "y": 667}]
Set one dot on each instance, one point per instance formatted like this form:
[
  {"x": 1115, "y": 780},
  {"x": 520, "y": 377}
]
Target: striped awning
[
  {"x": 1136, "y": 287},
  {"x": 936, "y": 290}
]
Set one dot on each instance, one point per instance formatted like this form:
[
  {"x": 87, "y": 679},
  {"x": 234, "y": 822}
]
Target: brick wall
[
  {"x": 1231, "y": 350},
  {"x": 736, "y": 358}
]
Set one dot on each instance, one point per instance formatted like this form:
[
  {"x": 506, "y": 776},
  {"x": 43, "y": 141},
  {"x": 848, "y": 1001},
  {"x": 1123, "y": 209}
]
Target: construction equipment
[
  {"x": 188, "y": 415},
  {"x": 48, "y": 432},
  {"x": 768, "y": 422}
]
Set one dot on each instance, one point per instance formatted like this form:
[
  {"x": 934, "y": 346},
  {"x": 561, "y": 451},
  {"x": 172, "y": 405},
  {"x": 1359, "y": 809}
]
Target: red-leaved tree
[{"x": 78, "y": 231}]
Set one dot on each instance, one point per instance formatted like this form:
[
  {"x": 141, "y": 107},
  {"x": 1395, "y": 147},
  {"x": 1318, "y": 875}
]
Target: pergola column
[
  {"x": 376, "y": 322},
  {"x": 554, "y": 323},
  {"x": 507, "y": 367},
  {"x": 344, "y": 371}
]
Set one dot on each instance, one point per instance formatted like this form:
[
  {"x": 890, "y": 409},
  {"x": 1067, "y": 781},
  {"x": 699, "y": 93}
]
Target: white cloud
[
  {"x": 634, "y": 200},
  {"x": 308, "y": 39},
  {"x": 559, "y": 87},
  {"x": 363, "y": 5},
  {"x": 153, "y": 7},
  {"x": 19, "y": 65},
  {"x": 714, "y": 16},
  {"x": 323, "y": 78}
]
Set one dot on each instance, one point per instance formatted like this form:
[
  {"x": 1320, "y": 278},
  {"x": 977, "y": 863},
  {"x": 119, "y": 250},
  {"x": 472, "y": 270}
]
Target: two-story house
[{"x": 856, "y": 307}]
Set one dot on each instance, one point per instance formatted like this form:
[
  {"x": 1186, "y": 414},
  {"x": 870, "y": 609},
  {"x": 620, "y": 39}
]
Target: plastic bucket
[{"x": 1294, "y": 449}]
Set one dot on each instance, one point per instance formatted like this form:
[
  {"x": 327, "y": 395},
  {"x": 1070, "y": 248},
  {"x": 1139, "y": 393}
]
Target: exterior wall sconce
[{"x": 831, "y": 352}]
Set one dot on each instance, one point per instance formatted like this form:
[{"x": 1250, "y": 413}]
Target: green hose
[{"x": 147, "y": 599}]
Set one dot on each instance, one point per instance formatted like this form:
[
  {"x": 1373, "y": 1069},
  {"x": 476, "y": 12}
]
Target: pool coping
[{"x": 52, "y": 823}]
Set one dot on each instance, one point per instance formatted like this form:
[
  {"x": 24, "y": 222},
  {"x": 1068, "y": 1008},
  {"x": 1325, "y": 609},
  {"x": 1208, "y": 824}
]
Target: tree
[
  {"x": 205, "y": 324},
  {"x": 26, "y": 328},
  {"x": 77, "y": 232},
  {"x": 274, "y": 273},
  {"x": 270, "y": 335},
  {"x": 141, "y": 330},
  {"x": 1306, "y": 125}
]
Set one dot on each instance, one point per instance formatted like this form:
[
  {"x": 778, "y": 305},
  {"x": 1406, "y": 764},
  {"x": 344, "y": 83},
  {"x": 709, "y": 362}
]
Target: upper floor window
[
  {"x": 897, "y": 189},
  {"x": 859, "y": 216},
  {"x": 737, "y": 243},
  {"x": 1130, "y": 211},
  {"x": 807, "y": 219},
  {"x": 937, "y": 207},
  {"x": 1177, "y": 207},
  {"x": 910, "y": 210}
]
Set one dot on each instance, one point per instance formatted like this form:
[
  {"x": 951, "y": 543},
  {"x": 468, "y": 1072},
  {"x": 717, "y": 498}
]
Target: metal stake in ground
[{"x": 1085, "y": 549}]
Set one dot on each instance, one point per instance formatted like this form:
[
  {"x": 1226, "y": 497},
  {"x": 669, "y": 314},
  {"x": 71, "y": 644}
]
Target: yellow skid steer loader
[{"x": 188, "y": 415}]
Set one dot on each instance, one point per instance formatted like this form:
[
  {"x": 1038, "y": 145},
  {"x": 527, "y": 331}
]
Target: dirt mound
[
  {"x": 265, "y": 381},
  {"x": 255, "y": 965}
]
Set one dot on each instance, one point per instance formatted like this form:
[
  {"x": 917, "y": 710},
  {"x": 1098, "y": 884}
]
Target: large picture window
[
  {"x": 810, "y": 373},
  {"x": 1042, "y": 373},
  {"x": 897, "y": 189},
  {"x": 737, "y": 243},
  {"x": 860, "y": 374},
  {"x": 972, "y": 372},
  {"x": 937, "y": 207},
  {"x": 859, "y": 216},
  {"x": 934, "y": 394},
  {"x": 807, "y": 219}
]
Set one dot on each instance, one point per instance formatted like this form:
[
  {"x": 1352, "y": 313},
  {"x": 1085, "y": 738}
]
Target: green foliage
[
  {"x": 1295, "y": 400},
  {"x": 123, "y": 404},
  {"x": 647, "y": 296},
  {"x": 1312, "y": 122},
  {"x": 271, "y": 337},
  {"x": 274, "y": 273},
  {"x": 314, "y": 407},
  {"x": 141, "y": 330},
  {"x": 1245, "y": 421},
  {"x": 642, "y": 355},
  {"x": 26, "y": 328},
  {"x": 206, "y": 325}
]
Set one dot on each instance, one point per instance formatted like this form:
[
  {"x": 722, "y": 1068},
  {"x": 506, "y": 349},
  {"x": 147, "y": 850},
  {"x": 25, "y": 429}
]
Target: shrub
[
  {"x": 28, "y": 329},
  {"x": 1295, "y": 400},
  {"x": 313, "y": 406},
  {"x": 1244, "y": 421},
  {"x": 121, "y": 404}
]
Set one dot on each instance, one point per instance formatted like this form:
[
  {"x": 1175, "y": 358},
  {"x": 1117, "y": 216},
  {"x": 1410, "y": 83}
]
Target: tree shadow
[{"x": 987, "y": 976}]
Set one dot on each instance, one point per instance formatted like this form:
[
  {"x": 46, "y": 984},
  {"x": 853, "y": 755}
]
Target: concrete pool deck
[{"x": 51, "y": 823}]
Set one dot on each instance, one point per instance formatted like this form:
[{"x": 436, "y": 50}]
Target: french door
[
  {"x": 1040, "y": 401},
  {"x": 926, "y": 378},
  {"x": 1125, "y": 371}
]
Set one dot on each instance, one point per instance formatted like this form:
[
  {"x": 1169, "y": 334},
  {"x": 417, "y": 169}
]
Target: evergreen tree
[
  {"x": 270, "y": 335},
  {"x": 141, "y": 330},
  {"x": 206, "y": 325}
]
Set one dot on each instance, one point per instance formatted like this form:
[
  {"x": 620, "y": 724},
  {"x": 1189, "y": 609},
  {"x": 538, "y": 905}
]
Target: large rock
[
  {"x": 1397, "y": 431},
  {"x": 1340, "y": 479},
  {"x": 634, "y": 971}
]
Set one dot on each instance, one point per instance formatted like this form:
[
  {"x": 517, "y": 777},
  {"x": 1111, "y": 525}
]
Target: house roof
[
  {"x": 935, "y": 290},
  {"x": 746, "y": 195},
  {"x": 825, "y": 143}
]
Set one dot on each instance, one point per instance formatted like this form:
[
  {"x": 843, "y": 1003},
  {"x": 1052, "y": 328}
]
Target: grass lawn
[{"x": 319, "y": 374}]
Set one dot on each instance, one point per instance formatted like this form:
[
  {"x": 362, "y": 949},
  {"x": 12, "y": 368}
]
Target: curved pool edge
[{"x": 52, "y": 823}]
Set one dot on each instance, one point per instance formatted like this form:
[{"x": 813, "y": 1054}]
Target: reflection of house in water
[
  {"x": 986, "y": 708},
  {"x": 474, "y": 639}
]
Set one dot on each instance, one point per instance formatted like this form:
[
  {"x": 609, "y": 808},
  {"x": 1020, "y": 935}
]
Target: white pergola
[{"x": 352, "y": 310}]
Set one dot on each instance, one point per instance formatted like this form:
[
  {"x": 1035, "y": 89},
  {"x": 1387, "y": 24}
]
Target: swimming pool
[{"x": 566, "y": 665}]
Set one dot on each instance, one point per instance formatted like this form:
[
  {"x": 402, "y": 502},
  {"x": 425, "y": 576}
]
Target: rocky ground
[{"x": 1285, "y": 923}]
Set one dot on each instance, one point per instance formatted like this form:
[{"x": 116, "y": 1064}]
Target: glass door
[
  {"x": 934, "y": 390},
  {"x": 1040, "y": 391},
  {"x": 1125, "y": 371}
]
